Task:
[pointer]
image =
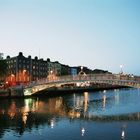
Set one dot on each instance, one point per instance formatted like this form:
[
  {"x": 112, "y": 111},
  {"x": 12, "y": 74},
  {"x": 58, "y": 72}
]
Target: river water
[{"x": 102, "y": 115}]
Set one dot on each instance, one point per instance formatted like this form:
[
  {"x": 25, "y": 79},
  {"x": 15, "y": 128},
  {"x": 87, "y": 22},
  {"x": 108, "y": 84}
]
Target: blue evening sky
[{"x": 95, "y": 33}]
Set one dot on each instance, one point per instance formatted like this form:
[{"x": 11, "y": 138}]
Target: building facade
[
  {"x": 21, "y": 69},
  {"x": 65, "y": 70}
]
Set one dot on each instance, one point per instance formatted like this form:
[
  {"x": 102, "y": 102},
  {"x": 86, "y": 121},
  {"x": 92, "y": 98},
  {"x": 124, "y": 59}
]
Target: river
[{"x": 109, "y": 114}]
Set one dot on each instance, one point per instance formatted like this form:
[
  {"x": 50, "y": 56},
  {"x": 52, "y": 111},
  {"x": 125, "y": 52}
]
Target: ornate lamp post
[{"x": 121, "y": 69}]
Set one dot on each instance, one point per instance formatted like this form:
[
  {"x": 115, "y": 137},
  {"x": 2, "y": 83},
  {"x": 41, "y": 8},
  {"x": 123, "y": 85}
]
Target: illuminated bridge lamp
[{"x": 121, "y": 68}]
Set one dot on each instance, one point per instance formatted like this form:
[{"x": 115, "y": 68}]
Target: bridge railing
[{"x": 90, "y": 77}]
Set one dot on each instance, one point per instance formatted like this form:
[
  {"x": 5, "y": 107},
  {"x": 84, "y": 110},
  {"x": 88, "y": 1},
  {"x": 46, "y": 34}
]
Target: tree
[{"x": 3, "y": 68}]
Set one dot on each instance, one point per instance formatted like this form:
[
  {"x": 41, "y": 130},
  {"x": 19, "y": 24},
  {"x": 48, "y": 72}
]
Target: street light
[
  {"x": 11, "y": 79},
  {"x": 51, "y": 72},
  {"x": 24, "y": 71},
  {"x": 12, "y": 76},
  {"x": 81, "y": 68},
  {"x": 121, "y": 69},
  {"x": 24, "y": 76},
  {"x": 50, "y": 76}
]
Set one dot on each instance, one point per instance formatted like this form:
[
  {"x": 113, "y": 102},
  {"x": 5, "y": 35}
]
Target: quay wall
[{"x": 12, "y": 92}]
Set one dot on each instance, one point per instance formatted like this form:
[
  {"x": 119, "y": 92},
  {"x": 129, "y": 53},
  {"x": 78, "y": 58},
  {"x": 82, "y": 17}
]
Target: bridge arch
[{"x": 112, "y": 79}]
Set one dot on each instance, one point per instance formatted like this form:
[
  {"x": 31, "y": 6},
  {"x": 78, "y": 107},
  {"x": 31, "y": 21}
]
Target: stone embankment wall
[{"x": 12, "y": 92}]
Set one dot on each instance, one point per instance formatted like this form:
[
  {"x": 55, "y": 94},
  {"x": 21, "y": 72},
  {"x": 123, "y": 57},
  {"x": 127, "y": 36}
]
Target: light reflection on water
[{"x": 112, "y": 114}]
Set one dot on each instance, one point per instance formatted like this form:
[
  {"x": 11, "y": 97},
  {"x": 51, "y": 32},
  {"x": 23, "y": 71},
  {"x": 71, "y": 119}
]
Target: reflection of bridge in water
[
  {"x": 28, "y": 113},
  {"x": 58, "y": 106},
  {"x": 77, "y": 107},
  {"x": 54, "y": 83}
]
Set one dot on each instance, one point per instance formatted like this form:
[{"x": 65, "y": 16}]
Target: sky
[{"x": 99, "y": 34}]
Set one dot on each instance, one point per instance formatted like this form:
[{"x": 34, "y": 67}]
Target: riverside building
[{"x": 21, "y": 69}]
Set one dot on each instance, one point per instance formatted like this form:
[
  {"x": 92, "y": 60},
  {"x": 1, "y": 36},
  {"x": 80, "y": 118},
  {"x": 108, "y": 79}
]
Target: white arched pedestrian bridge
[{"x": 79, "y": 81}]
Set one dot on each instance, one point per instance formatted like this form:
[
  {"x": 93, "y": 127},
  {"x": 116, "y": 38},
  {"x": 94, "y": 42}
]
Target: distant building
[
  {"x": 49, "y": 66},
  {"x": 53, "y": 67},
  {"x": 38, "y": 69},
  {"x": 57, "y": 68},
  {"x": 74, "y": 71},
  {"x": 21, "y": 69},
  {"x": 65, "y": 70},
  {"x": 77, "y": 70},
  {"x": 25, "y": 69}
]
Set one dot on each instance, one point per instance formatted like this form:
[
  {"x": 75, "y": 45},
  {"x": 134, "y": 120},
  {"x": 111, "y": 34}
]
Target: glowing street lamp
[
  {"x": 81, "y": 68},
  {"x": 24, "y": 71},
  {"x": 24, "y": 75},
  {"x": 51, "y": 72},
  {"x": 50, "y": 76},
  {"x": 12, "y": 76},
  {"x": 121, "y": 69}
]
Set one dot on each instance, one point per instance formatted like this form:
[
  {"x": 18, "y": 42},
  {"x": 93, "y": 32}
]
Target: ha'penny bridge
[{"x": 81, "y": 82}]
